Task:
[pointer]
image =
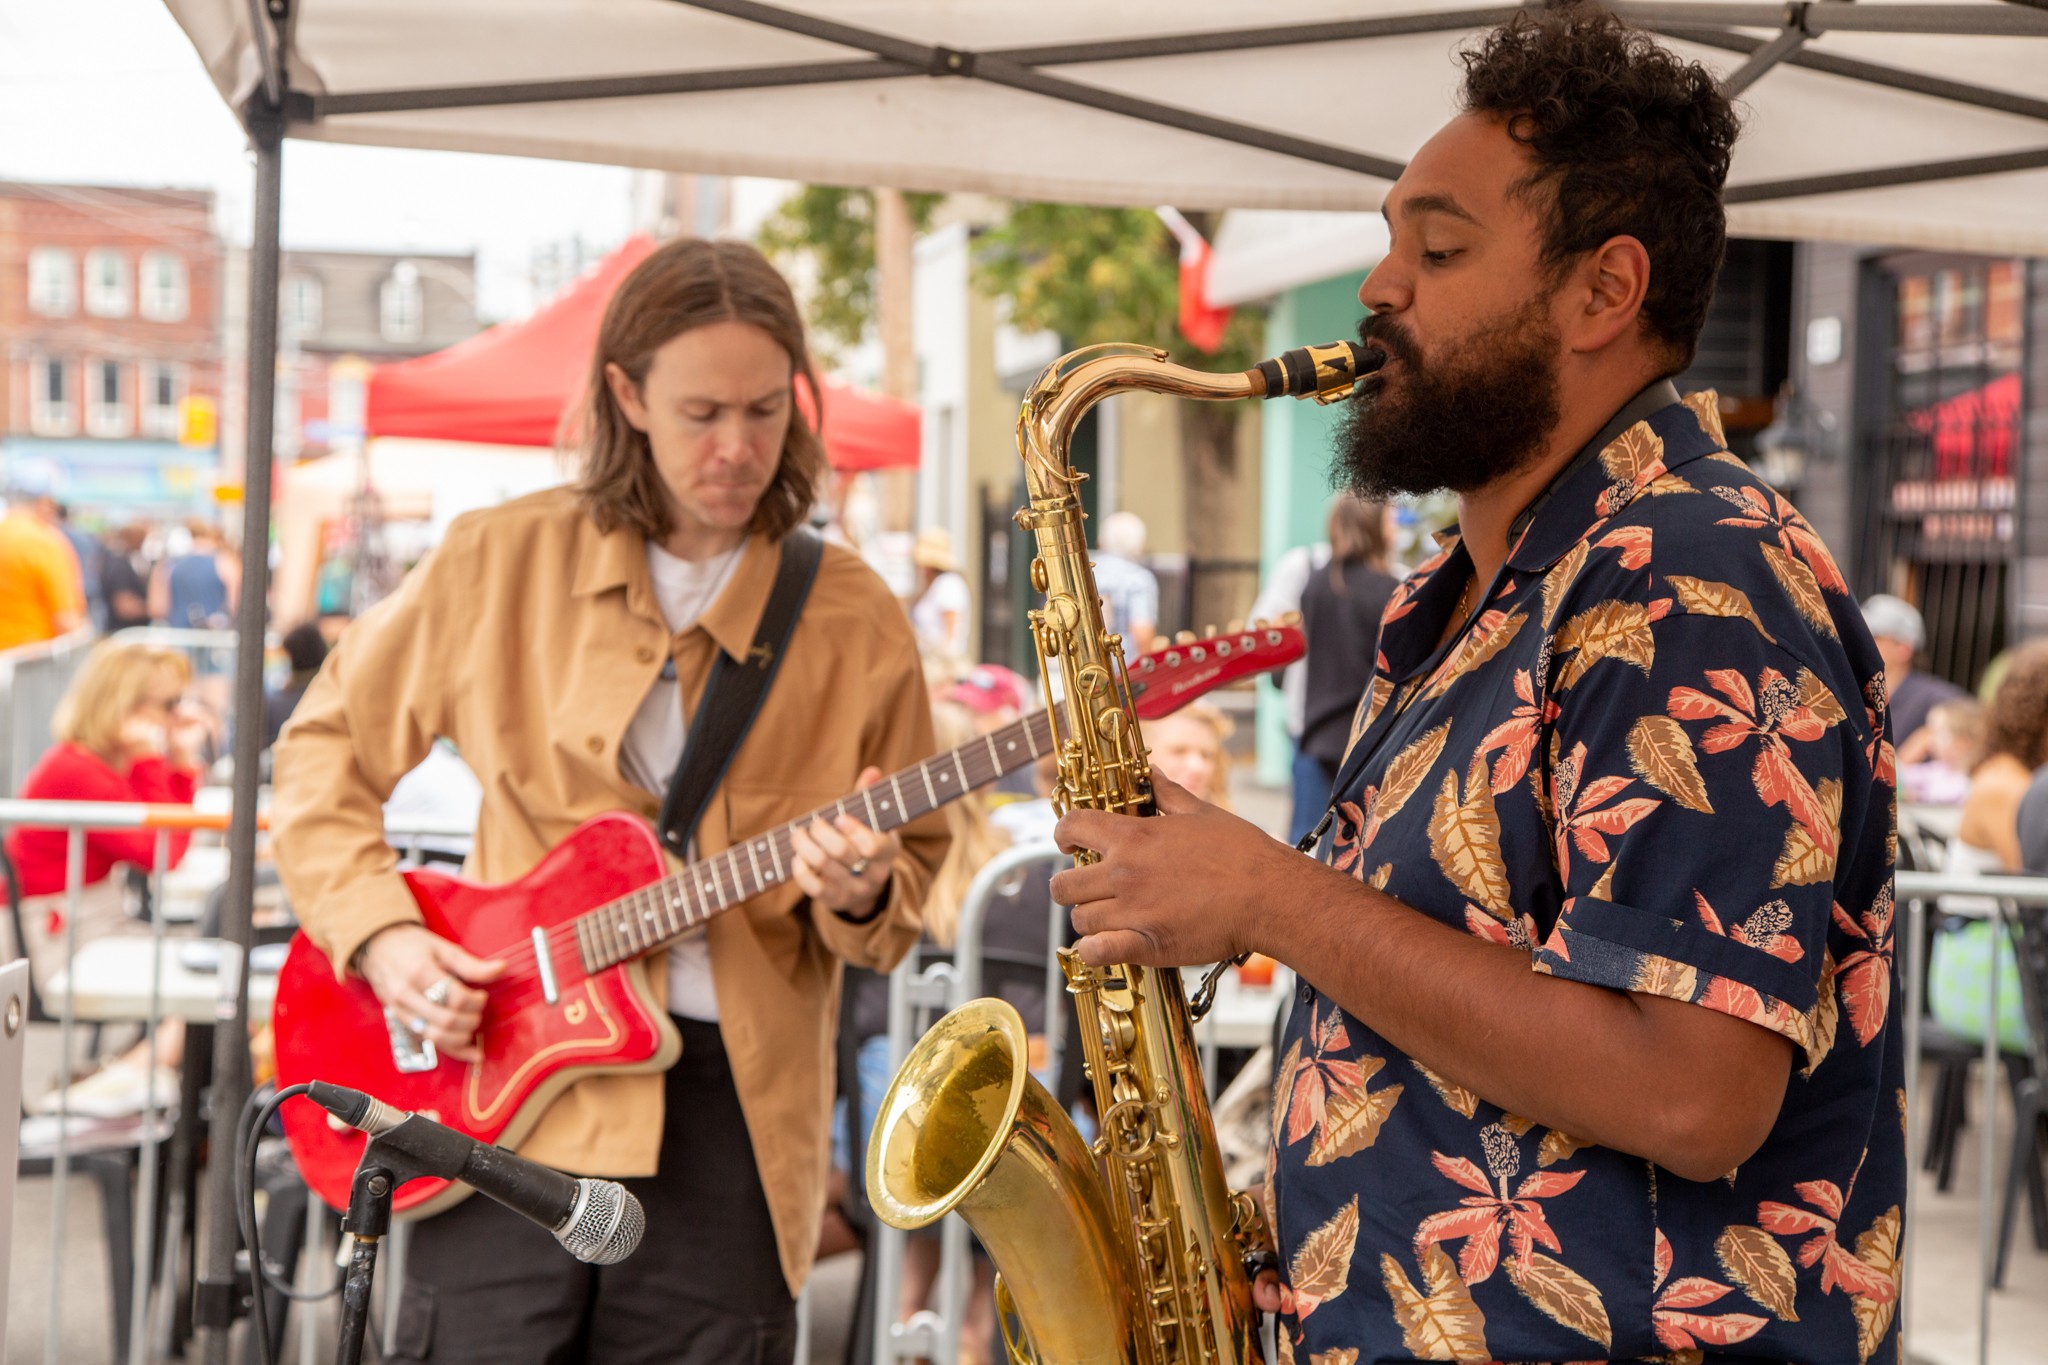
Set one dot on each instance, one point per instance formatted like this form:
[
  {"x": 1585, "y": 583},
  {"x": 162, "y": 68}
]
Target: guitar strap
[{"x": 733, "y": 695}]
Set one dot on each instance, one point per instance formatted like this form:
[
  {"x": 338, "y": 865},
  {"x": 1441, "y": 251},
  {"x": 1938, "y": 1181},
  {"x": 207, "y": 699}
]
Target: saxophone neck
[{"x": 1066, "y": 389}]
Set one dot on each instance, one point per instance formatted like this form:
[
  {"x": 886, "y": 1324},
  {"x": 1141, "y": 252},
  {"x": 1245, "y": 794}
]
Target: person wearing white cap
[
  {"x": 940, "y": 614},
  {"x": 1900, "y": 633}
]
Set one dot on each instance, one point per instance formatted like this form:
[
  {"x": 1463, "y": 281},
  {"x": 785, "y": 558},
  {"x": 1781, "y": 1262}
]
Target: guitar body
[{"x": 336, "y": 1031}]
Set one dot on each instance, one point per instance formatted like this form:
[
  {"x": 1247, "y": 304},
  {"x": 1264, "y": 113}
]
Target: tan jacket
[{"x": 529, "y": 639}]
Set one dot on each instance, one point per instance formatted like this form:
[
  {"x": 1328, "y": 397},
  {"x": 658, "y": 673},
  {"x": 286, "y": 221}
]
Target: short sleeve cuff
[{"x": 1628, "y": 949}]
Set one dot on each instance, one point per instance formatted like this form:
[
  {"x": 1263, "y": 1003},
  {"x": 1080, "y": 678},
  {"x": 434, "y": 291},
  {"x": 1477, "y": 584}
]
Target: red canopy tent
[{"x": 510, "y": 384}]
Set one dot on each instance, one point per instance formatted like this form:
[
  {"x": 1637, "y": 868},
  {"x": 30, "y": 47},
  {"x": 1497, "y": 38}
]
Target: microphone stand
[{"x": 381, "y": 1171}]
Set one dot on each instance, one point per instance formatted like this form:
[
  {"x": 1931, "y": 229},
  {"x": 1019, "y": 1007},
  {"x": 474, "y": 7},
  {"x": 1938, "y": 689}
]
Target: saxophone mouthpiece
[{"x": 1324, "y": 373}]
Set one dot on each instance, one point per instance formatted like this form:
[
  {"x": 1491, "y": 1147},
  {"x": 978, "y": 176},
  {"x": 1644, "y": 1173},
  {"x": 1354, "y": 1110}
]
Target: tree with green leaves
[
  {"x": 1108, "y": 274},
  {"x": 1084, "y": 273},
  {"x": 831, "y": 230}
]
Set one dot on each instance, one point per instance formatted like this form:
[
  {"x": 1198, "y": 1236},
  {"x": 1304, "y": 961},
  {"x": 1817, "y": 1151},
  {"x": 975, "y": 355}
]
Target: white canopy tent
[{"x": 1917, "y": 122}]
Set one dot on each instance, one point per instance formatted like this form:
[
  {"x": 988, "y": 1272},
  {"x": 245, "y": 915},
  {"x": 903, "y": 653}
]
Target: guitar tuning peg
[
  {"x": 1290, "y": 618},
  {"x": 1235, "y": 626},
  {"x": 1208, "y": 632},
  {"x": 1185, "y": 637}
]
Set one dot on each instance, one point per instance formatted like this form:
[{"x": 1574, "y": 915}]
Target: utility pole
[{"x": 895, "y": 488}]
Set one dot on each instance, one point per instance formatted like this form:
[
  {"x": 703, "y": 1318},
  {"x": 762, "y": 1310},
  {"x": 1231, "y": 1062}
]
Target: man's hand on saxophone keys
[{"x": 1190, "y": 888}]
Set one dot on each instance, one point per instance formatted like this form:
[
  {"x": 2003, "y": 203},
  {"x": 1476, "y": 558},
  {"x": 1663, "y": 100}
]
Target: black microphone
[{"x": 596, "y": 1221}]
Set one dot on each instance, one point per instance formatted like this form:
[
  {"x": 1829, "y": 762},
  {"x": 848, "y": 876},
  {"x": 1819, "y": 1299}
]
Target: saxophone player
[{"x": 1596, "y": 1049}]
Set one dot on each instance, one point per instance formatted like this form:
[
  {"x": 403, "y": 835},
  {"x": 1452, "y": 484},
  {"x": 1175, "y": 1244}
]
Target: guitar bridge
[{"x": 410, "y": 1053}]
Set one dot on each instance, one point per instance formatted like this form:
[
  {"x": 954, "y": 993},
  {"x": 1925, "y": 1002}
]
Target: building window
[
  {"x": 106, "y": 283},
  {"x": 106, "y": 408},
  {"x": 52, "y": 282},
  {"x": 50, "y": 403},
  {"x": 164, "y": 292},
  {"x": 401, "y": 312},
  {"x": 302, "y": 300},
  {"x": 163, "y": 387}
]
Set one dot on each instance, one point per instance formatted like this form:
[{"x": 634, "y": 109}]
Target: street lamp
[{"x": 1796, "y": 436}]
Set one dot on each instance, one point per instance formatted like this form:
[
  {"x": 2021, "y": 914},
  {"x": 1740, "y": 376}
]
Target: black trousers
[{"x": 483, "y": 1284}]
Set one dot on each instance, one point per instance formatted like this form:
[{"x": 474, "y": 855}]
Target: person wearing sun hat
[{"x": 942, "y": 613}]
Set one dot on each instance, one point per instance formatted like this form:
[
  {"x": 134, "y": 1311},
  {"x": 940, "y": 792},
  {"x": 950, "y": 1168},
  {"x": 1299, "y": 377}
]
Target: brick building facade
[{"x": 110, "y": 359}]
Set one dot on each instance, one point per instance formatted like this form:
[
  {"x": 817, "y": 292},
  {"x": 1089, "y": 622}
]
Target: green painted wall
[{"x": 1295, "y": 468}]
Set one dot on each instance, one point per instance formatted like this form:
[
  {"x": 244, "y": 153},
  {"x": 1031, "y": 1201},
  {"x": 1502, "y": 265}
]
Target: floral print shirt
[{"x": 1654, "y": 758}]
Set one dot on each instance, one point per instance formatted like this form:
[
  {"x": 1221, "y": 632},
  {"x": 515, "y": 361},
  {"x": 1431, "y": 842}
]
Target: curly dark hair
[
  {"x": 1630, "y": 140},
  {"x": 2017, "y": 720}
]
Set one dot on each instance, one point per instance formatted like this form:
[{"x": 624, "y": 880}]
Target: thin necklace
[{"x": 711, "y": 584}]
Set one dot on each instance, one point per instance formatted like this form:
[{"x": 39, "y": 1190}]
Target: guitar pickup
[{"x": 410, "y": 1053}]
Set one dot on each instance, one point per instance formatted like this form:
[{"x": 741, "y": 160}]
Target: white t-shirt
[
  {"x": 654, "y": 745},
  {"x": 948, "y": 593}
]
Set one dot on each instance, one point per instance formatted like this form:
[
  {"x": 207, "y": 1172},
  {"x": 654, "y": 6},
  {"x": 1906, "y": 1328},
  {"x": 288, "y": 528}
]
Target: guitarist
[{"x": 561, "y": 642}]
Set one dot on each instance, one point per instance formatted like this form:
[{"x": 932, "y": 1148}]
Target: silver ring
[
  {"x": 437, "y": 994},
  {"x": 418, "y": 1025},
  {"x": 857, "y": 867}
]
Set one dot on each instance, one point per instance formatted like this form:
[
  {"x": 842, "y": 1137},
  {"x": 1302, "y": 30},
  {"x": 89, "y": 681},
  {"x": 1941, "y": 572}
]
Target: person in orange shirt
[{"x": 42, "y": 592}]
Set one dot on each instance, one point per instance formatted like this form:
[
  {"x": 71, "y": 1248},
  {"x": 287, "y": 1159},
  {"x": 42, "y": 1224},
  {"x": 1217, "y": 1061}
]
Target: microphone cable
[{"x": 257, "y": 1113}]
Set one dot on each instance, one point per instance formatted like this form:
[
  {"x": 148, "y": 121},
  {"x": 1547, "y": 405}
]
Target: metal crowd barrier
[
  {"x": 2000, "y": 894},
  {"x": 32, "y": 680},
  {"x": 915, "y": 996},
  {"x": 147, "y": 1338}
]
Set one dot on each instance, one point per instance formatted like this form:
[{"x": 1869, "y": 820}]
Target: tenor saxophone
[{"x": 1129, "y": 1251}]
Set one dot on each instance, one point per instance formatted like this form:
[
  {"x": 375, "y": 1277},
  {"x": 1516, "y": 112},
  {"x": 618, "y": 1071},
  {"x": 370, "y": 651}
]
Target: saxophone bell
[{"x": 965, "y": 1128}]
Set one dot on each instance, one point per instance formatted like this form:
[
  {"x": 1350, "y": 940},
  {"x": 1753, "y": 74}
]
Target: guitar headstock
[{"x": 1171, "y": 676}]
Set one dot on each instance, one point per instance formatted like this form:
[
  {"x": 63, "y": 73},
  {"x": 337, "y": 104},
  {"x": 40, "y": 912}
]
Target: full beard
[{"x": 1482, "y": 412}]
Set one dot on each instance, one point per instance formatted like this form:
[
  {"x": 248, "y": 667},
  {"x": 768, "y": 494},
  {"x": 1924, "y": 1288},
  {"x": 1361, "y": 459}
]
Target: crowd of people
[
  {"x": 1566, "y": 965},
  {"x": 56, "y": 576}
]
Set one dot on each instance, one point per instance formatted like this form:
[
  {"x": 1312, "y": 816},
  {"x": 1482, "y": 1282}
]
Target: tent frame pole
[
  {"x": 220, "y": 1294},
  {"x": 1870, "y": 73},
  {"x": 1884, "y": 177},
  {"x": 1789, "y": 40}
]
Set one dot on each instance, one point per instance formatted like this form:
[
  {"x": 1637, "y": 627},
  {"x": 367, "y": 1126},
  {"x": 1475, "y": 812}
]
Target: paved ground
[{"x": 1942, "y": 1300}]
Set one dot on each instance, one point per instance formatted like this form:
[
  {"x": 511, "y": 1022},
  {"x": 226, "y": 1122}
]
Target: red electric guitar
[{"x": 577, "y": 929}]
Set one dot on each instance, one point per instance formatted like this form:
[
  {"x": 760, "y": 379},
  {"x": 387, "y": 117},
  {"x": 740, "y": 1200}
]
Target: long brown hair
[
  {"x": 115, "y": 679},
  {"x": 1358, "y": 535},
  {"x": 686, "y": 284}
]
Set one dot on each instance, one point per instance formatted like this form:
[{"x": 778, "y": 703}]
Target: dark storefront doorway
[{"x": 1942, "y": 457}]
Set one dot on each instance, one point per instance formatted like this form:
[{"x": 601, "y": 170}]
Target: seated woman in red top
[{"x": 123, "y": 734}]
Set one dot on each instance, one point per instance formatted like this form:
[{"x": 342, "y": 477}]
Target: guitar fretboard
[{"x": 647, "y": 919}]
